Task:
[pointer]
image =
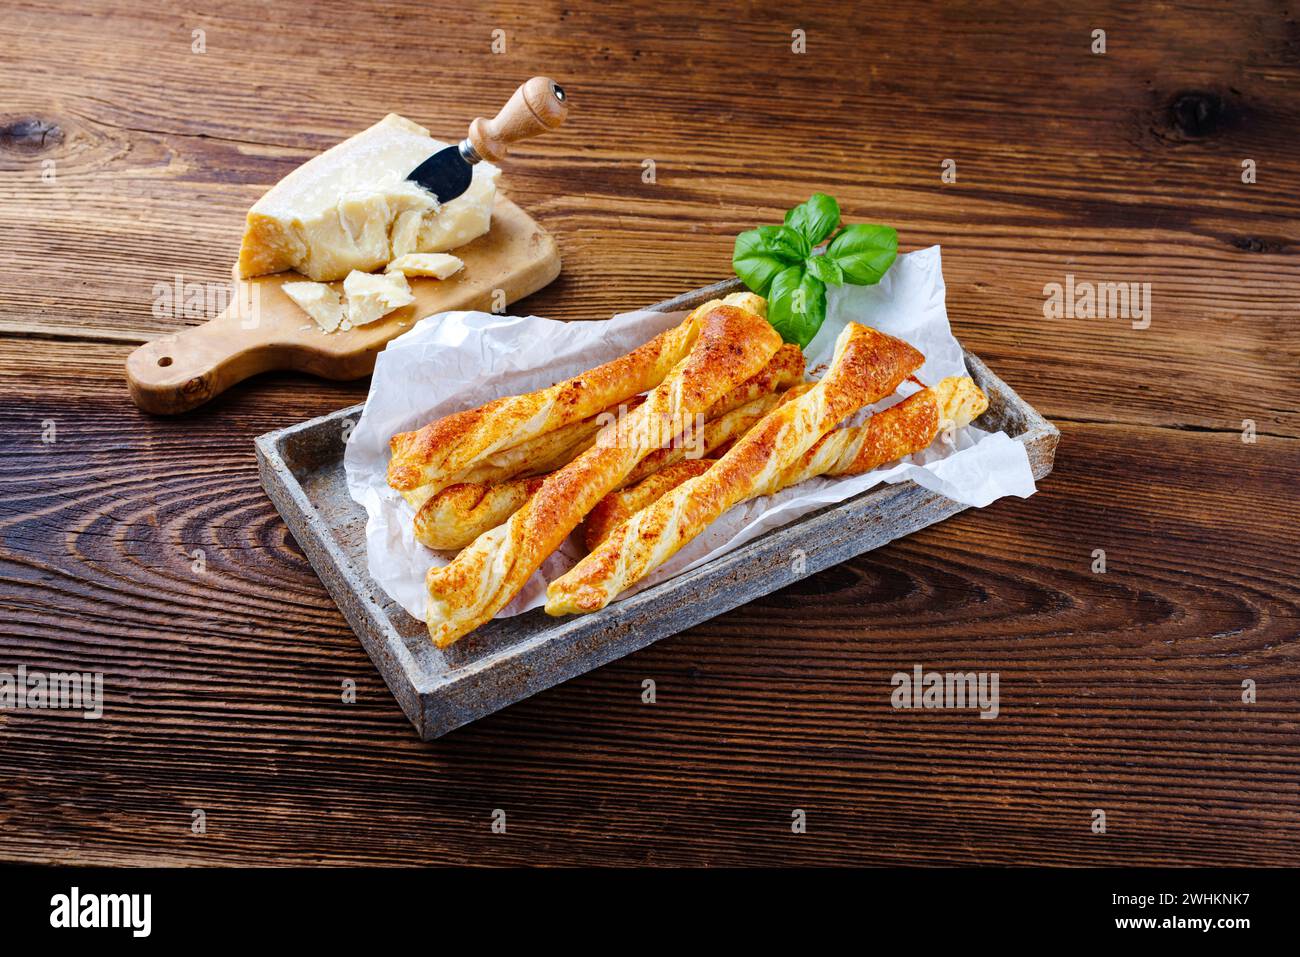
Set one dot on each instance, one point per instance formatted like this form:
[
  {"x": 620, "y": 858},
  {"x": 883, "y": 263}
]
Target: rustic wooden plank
[{"x": 1119, "y": 691}]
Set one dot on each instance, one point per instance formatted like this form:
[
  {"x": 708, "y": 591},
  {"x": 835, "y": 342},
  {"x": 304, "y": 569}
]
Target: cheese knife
[{"x": 537, "y": 106}]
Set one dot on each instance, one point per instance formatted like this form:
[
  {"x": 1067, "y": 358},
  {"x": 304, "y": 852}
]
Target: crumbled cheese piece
[
  {"x": 438, "y": 265},
  {"x": 317, "y": 300},
  {"x": 372, "y": 296}
]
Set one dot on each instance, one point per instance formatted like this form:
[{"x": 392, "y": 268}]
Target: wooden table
[{"x": 145, "y": 549}]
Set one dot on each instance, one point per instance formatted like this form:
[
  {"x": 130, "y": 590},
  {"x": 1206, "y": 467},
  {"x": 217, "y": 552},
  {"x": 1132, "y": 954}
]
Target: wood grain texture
[{"x": 1120, "y": 691}]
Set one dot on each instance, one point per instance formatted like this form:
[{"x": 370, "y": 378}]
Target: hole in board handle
[{"x": 164, "y": 360}]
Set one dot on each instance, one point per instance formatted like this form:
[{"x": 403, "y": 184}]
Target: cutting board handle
[
  {"x": 181, "y": 371},
  {"x": 537, "y": 106}
]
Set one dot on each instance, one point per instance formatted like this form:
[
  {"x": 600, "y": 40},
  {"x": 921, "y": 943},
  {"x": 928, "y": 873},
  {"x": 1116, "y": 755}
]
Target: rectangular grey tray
[{"x": 301, "y": 468}]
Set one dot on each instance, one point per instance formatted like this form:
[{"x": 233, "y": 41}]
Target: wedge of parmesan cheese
[
  {"x": 372, "y": 296},
  {"x": 317, "y": 300},
  {"x": 352, "y": 208},
  {"x": 437, "y": 265}
]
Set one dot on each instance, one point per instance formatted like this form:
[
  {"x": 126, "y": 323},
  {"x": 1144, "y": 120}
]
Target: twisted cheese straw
[
  {"x": 447, "y": 524},
  {"x": 867, "y": 366},
  {"x": 460, "y": 513},
  {"x": 539, "y": 455},
  {"x": 442, "y": 450},
  {"x": 784, "y": 370},
  {"x": 716, "y": 432},
  {"x": 732, "y": 345},
  {"x": 901, "y": 430},
  {"x": 905, "y": 428},
  {"x": 618, "y": 506}
]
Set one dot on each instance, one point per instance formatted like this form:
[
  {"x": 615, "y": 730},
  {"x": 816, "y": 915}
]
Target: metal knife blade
[{"x": 447, "y": 173}]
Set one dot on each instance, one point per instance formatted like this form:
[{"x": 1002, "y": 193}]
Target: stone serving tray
[{"x": 301, "y": 468}]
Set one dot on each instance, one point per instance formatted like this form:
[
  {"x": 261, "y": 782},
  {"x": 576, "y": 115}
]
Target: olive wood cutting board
[
  {"x": 301, "y": 468},
  {"x": 263, "y": 329}
]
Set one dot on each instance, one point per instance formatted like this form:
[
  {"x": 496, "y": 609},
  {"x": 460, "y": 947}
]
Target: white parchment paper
[{"x": 459, "y": 360}]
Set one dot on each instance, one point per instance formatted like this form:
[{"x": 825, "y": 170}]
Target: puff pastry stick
[
  {"x": 617, "y": 507},
  {"x": 548, "y": 452},
  {"x": 454, "y": 516},
  {"x": 868, "y": 365},
  {"x": 441, "y": 450},
  {"x": 461, "y": 512},
  {"x": 732, "y": 345},
  {"x": 903, "y": 429},
  {"x": 715, "y": 434},
  {"x": 545, "y": 453},
  {"x": 784, "y": 370}
]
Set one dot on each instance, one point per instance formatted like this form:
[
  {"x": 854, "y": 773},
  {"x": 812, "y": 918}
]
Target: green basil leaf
[
  {"x": 786, "y": 242},
  {"x": 825, "y": 269},
  {"x": 816, "y": 218},
  {"x": 762, "y": 253},
  {"x": 796, "y": 305},
  {"x": 864, "y": 252}
]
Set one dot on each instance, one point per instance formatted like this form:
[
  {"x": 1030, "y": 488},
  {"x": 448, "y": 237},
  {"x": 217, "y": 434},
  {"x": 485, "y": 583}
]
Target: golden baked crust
[
  {"x": 785, "y": 369},
  {"x": 539, "y": 455},
  {"x": 716, "y": 434},
  {"x": 902, "y": 429},
  {"x": 443, "y": 451},
  {"x": 731, "y": 345},
  {"x": 460, "y": 513},
  {"x": 454, "y": 516},
  {"x": 550, "y": 451},
  {"x": 616, "y": 507},
  {"x": 868, "y": 365}
]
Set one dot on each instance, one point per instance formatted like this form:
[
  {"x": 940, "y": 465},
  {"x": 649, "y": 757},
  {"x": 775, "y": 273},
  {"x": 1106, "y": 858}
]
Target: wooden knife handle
[{"x": 537, "y": 106}]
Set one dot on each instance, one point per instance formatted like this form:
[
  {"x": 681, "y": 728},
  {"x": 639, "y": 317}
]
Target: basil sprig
[{"x": 778, "y": 262}]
